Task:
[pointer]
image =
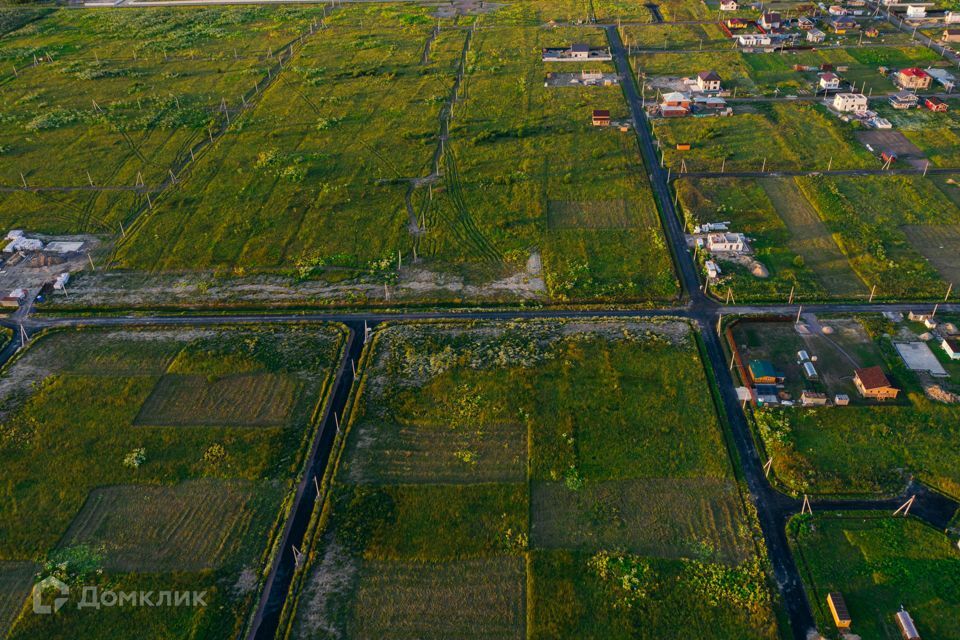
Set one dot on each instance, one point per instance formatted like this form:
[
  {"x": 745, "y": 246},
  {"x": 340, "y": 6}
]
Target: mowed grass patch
[
  {"x": 610, "y": 415},
  {"x": 251, "y": 400},
  {"x": 880, "y": 564},
  {"x": 188, "y": 527},
  {"x": 429, "y": 452},
  {"x": 810, "y": 239},
  {"x": 465, "y": 599},
  {"x": 16, "y": 580},
  {"x": 642, "y": 516},
  {"x": 743, "y": 141}
]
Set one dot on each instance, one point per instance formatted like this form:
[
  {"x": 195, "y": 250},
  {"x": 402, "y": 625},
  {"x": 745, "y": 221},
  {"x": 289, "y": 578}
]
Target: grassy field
[
  {"x": 880, "y": 564},
  {"x": 170, "y": 504},
  {"x": 773, "y": 133},
  {"x": 349, "y": 210},
  {"x": 862, "y": 448},
  {"x": 105, "y": 107},
  {"x": 867, "y": 215},
  {"x": 533, "y": 467}
]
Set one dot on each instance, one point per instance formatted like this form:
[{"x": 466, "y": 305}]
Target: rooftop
[{"x": 872, "y": 378}]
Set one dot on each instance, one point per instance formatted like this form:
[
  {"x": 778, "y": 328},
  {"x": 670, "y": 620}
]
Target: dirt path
[{"x": 810, "y": 238}]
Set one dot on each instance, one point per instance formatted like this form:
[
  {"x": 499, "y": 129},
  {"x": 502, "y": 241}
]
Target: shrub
[{"x": 135, "y": 458}]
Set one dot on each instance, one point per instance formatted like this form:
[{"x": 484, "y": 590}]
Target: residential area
[{"x": 528, "y": 319}]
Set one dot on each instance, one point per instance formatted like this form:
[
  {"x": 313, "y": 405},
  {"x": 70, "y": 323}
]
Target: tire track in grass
[{"x": 481, "y": 245}]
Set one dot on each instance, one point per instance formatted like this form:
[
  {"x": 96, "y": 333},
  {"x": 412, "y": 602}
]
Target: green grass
[
  {"x": 834, "y": 237},
  {"x": 561, "y": 445},
  {"x": 880, "y": 564},
  {"x": 866, "y": 216},
  {"x": 773, "y": 133},
  {"x": 157, "y": 92},
  {"x": 305, "y": 202},
  {"x": 201, "y": 508}
]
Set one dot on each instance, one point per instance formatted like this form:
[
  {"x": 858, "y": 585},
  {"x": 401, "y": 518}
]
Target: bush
[{"x": 135, "y": 458}]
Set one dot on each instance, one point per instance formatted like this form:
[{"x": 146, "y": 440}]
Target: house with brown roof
[
  {"x": 950, "y": 35},
  {"x": 708, "y": 81},
  {"x": 872, "y": 383},
  {"x": 601, "y": 118},
  {"x": 770, "y": 20}
]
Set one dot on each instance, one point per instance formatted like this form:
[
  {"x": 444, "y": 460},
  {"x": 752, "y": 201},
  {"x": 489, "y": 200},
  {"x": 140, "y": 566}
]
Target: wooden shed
[{"x": 838, "y": 608}]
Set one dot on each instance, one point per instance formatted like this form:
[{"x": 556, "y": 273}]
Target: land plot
[
  {"x": 675, "y": 36},
  {"x": 787, "y": 136},
  {"x": 940, "y": 244},
  {"x": 600, "y": 446},
  {"x": 187, "y": 527},
  {"x": 626, "y": 10},
  {"x": 810, "y": 239},
  {"x": 867, "y": 216},
  {"x": 233, "y": 400},
  {"x": 864, "y": 448},
  {"x": 318, "y": 194},
  {"x": 414, "y": 600},
  {"x": 895, "y": 141},
  {"x": 145, "y": 507},
  {"x": 748, "y": 209},
  {"x": 880, "y": 564},
  {"x": 118, "y": 111},
  {"x": 846, "y": 347},
  {"x": 640, "y": 516}
]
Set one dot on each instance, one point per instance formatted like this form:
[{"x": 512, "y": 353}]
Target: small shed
[
  {"x": 838, "y": 608},
  {"x": 841, "y": 399},
  {"x": 763, "y": 372},
  {"x": 813, "y": 399},
  {"x": 905, "y": 623}
]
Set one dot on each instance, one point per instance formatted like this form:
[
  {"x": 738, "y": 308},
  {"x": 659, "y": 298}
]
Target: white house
[
  {"x": 916, "y": 11},
  {"x": 815, "y": 35},
  {"x": 753, "y": 40},
  {"x": 952, "y": 17},
  {"x": 844, "y": 102},
  {"x": 829, "y": 81},
  {"x": 952, "y": 347},
  {"x": 770, "y": 20},
  {"x": 734, "y": 242},
  {"x": 713, "y": 270},
  {"x": 729, "y": 5},
  {"x": 708, "y": 81}
]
